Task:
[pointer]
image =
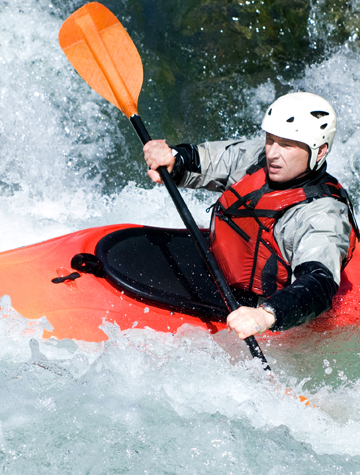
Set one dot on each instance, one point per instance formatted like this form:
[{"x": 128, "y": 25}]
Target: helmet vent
[
  {"x": 323, "y": 127},
  {"x": 319, "y": 114},
  {"x": 291, "y": 119},
  {"x": 270, "y": 111}
]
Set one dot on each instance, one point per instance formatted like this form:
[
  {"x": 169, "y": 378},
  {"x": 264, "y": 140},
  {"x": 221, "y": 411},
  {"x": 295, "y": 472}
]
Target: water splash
[{"x": 146, "y": 402}]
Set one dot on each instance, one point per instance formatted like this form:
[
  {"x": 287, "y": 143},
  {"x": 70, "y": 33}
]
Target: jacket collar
[{"x": 312, "y": 177}]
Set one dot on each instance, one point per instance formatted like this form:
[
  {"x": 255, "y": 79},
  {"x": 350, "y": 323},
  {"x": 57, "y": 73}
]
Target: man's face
[{"x": 286, "y": 159}]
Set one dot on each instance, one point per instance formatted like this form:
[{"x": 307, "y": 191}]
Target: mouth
[{"x": 273, "y": 166}]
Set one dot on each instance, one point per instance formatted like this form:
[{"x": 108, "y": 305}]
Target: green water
[{"x": 204, "y": 59}]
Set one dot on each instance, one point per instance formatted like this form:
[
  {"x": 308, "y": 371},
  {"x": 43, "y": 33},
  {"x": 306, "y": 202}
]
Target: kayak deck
[
  {"x": 162, "y": 267},
  {"x": 76, "y": 309},
  {"x": 152, "y": 278}
]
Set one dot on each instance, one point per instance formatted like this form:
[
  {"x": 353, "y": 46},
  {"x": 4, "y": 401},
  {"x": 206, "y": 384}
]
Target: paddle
[{"x": 102, "y": 52}]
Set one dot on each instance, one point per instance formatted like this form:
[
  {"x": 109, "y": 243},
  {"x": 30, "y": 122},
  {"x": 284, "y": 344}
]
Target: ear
[{"x": 322, "y": 151}]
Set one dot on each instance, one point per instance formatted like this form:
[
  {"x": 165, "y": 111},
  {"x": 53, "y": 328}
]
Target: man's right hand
[{"x": 157, "y": 153}]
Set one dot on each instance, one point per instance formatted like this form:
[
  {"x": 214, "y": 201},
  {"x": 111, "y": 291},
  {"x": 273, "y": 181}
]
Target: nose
[{"x": 272, "y": 151}]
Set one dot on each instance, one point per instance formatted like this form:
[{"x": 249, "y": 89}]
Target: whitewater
[{"x": 146, "y": 402}]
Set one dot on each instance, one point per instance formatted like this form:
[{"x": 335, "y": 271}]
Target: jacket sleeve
[
  {"x": 314, "y": 238},
  {"x": 305, "y": 299},
  {"x": 215, "y": 165}
]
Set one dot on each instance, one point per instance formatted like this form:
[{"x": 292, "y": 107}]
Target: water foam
[{"x": 146, "y": 402}]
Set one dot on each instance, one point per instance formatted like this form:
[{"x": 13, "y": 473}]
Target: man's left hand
[{"x": 248, "y": 321}]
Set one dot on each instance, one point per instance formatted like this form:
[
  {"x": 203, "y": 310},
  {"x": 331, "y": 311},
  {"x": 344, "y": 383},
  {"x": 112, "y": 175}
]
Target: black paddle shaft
[{"x": 199, "y": 240}]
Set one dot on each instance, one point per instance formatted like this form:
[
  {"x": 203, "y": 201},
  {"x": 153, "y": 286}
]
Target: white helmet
[{"x": 303, "y": 117}]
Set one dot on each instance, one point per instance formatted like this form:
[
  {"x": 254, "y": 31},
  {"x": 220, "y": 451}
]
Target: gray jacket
[{"x": 317, "y": 231}]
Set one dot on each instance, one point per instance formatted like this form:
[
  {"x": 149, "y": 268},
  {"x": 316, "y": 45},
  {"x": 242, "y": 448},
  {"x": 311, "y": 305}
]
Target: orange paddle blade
[
  {"x": 104, "y": 55},
  {"x": 303, "y": 399}
]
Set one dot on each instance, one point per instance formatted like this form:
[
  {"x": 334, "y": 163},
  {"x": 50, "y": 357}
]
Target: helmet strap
[
  {"x": 312, "y": 164},
  {"x": 319, "y": 164}
]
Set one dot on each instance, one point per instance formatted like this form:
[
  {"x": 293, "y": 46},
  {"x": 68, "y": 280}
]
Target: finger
[
  {"x": 155, "y": 176},
  {"x": 238, "y": 317},
  {"x": 245, "y": 334},
  {"x": 244, "y": 326},
  {"x": 154, "y": 144},
  {"x": 157, "y": 160},
  {"x": 235, "y": 314},
  {"x": 245, "y": 331},
  {"x": 156, "y": 147},
  {"x": 238, "y": 326},
  {"x": 250, "y": 328}
]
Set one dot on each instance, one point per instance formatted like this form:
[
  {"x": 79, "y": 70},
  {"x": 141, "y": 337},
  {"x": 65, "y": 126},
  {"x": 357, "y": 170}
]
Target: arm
[
  {"x": 217, "y": 165},
  {"x": 212, "y": 165},
  {"x": 314, "y": 239},
  {"x": 306, "y": 298}
]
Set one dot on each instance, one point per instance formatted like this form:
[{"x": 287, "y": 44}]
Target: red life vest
[{"x": 242, "y": 229}]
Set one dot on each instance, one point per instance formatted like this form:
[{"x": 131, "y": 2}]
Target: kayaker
[{"x": 287, "y": 241}]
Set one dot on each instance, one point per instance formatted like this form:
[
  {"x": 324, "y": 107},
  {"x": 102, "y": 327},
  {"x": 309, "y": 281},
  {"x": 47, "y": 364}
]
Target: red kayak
[{"x": 134, "y": 276}]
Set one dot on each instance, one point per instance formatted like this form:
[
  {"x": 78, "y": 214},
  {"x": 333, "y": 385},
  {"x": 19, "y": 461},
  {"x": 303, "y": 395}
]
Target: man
[{"x": 283, "y": 228}]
